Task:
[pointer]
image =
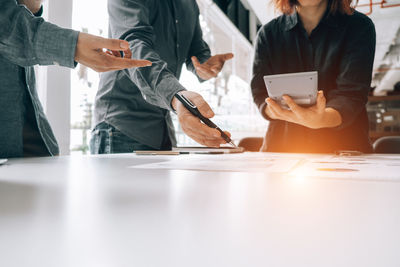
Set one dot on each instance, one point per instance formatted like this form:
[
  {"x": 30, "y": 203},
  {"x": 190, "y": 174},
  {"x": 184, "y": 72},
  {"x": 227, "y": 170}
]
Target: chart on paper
[{"x": 363, "y": 168}]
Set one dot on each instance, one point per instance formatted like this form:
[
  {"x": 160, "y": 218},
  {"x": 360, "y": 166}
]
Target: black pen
[{"x": 194, "y": 110}]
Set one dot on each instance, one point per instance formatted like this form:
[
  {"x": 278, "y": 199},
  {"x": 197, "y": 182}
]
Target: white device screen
[{"x": 302, "y": 87}]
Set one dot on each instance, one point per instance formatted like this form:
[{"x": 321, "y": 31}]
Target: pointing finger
[
  {"x": 200, "y": 129},
  {"x": 134, "y": 63},
  {"x": 124, "y": 63}
]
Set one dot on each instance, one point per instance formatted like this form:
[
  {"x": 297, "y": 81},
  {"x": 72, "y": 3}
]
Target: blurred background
[{"x": 228, "y": 26}]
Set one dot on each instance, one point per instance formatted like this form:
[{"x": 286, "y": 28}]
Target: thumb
[
  {"x": 195, "y": 61},
  {"x": 321, "y": 101},
  {"x": 113, "y": 44}
]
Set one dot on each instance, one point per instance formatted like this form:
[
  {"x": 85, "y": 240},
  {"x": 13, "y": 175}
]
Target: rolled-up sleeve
[
  {"x": 130, "y": 20},
  {"x": 27, "y": 40},
  {"x": 354, "y": 80}
]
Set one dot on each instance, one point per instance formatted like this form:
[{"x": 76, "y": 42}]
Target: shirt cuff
[
  {"x": 202, "y": 59},
  {"x": 173, "y": 90},
  {"x": 56, "y": 46},
  {"x": 345, "y": 109}
]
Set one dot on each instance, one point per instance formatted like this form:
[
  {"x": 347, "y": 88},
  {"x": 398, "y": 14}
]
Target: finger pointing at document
[
  {"x": 212, "y": 66},
  {"x": 89, "y": 52}
]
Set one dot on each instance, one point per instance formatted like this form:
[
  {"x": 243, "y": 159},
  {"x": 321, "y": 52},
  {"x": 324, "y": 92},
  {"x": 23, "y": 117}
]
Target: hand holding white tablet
[
  {"x": 302, "y": 87},
  {"x": 314, "y": 117}
]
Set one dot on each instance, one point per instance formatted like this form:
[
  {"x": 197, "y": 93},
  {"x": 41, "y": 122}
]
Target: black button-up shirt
[{"x": 341, "y": 48}]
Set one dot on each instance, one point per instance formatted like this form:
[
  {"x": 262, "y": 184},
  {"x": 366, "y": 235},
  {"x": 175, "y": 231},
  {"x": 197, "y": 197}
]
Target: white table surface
[{"x": 96, "y": 211}]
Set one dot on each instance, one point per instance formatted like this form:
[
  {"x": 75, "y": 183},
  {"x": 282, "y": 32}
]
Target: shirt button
[
  {"x": 176, "y": 21},
  {"x": 177, "y": 45}
]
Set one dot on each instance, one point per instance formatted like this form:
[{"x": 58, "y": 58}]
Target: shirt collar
[
  {"x": 330, "y": 20},
  {"x": 292, "y": 20}
]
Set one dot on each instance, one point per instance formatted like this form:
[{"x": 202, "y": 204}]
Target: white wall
[
  {"x": 264, "y": 9},
  {"x": 54, "y": 83}
]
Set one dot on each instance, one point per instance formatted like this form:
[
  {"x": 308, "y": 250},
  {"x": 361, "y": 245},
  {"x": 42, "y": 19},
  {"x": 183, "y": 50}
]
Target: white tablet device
[{"x": 302, "y": 87}]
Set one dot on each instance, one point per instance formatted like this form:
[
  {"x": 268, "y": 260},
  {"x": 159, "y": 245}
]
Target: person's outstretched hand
[
  {"x": 314, "y": 117},
  {"x": 102, "y": 54},
  {"x": 192, "y": 125},
  {"x": 212, "y": 66}
]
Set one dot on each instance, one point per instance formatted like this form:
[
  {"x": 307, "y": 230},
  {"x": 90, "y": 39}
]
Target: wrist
[
  {"x": 175, "y": 101},
  {"x": 331, "y": 118}
]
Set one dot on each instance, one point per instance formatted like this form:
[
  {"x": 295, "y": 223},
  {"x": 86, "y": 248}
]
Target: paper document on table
[
  {"x": 226, "y": 164},
  {"x": 208, "y": 150},
  {"x": 191, "y": 150},
  {"x": 361, "y": 168}
]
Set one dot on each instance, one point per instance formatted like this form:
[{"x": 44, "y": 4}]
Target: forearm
[
  {"x": 33, "y": 5},
  {"x": 316, "y": 117},
  {"x": 131, "y": 21},
  {"x": 331, "y": 118},
  {"x": 157, "y": 84}
]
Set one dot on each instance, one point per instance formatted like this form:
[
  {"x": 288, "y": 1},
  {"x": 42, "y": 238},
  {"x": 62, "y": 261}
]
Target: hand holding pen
[{"x": 192, "y": 123}]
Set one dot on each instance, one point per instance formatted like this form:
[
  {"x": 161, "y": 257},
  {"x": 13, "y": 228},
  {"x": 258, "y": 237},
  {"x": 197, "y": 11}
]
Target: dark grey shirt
[
  {"x": 341, "y": 48},
  {"x": 26, "y": 40},
  {"x": 137, "y": 101}
]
